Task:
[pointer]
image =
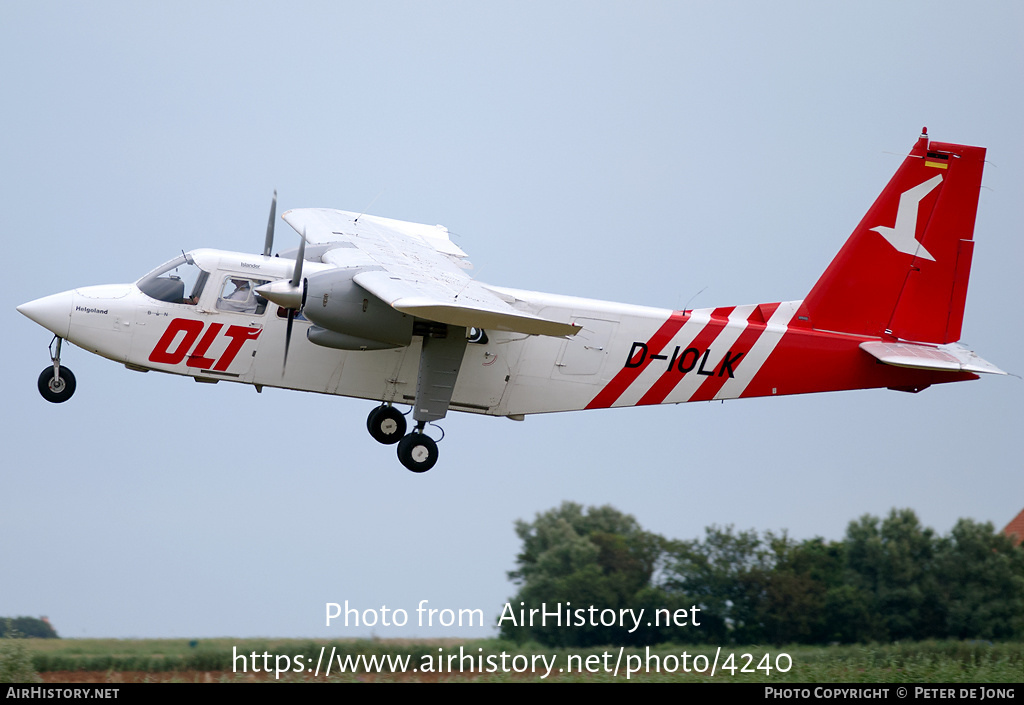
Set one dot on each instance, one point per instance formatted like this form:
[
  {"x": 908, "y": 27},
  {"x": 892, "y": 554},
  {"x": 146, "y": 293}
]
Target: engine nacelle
[
  {"x": 335, "y": 302},
  {"x": 341, "y": 341}
]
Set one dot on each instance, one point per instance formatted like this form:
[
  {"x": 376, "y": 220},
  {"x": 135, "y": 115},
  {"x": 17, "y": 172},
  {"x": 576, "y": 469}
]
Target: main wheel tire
[
  {"x": 417, "y": 452},
  {"x": 386, "y": 424},
  {"x": 56, "y": 390}
]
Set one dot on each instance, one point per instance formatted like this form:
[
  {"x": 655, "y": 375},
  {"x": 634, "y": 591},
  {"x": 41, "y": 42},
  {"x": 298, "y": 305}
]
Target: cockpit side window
[{"x": 179, "y": 281}]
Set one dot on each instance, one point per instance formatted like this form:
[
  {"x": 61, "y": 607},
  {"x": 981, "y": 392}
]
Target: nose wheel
[
  {"x": 56, "y": 389},
  {"x": 56, "y": 383}
]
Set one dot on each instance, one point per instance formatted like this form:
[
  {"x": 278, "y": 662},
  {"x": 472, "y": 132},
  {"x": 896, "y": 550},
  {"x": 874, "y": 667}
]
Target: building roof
[{"x": 1015, "y": 529}]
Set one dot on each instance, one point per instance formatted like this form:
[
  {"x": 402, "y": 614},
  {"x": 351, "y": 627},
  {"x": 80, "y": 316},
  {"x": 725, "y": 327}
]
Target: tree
[
  {"x": 893, "y": 564},
  {"x": 580, "y": 558},
  {"x": 889, "y": 579},
  {"x": 15, "y": 660},
  {"x": 796, "y": 591},
  {"x": 982, "y": 576},
  {"x": 726, "y": 576},
  {"x": 28, "y": 627}
]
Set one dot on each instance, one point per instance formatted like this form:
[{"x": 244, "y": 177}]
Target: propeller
[
  {"x": 268, "y": 244},
  {"x": 287, "y": 293},
  {"x": 296, "y": 280}
]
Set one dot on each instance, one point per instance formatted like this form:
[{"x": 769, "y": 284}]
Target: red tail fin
[{"x": 904, "y": 271}]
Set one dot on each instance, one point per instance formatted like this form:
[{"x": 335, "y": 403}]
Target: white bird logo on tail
[{"x": 901, "y": 236}]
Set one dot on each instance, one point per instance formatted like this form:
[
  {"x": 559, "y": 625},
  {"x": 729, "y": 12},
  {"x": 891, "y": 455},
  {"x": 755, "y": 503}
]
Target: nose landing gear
[{"x": 56, "y": 383}]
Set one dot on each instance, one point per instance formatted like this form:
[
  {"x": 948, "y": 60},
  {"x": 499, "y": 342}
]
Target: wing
[{"x": 415, "y": 269}]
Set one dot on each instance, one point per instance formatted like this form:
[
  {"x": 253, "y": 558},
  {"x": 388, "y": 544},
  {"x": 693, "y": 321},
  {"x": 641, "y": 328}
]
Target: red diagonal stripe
[
  {"x": 671, "y": 377},
  {"x": 627, "y": 375},
  {"x": 755, "y": 327}
]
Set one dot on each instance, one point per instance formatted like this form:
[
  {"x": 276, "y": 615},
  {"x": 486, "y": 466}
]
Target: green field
[{"x": 494, "y": 660}]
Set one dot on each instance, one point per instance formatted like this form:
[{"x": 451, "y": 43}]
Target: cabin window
[
  {"x": 179, "y": 281},
  {"x": 282, "y": 312},
  {"x": 238, "y": 294}
]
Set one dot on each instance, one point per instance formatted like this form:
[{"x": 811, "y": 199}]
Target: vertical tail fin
[{"x": 903, "y": 272}]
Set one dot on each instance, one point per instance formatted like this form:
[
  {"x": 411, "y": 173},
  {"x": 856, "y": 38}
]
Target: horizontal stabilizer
[{"x": 944, "y": 358}]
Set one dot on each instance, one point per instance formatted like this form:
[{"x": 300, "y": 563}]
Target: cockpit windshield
[{"x": 179, "y": 281}]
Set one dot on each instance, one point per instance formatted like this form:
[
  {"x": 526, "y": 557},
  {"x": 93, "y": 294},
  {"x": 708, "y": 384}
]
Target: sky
[{"x": 660, "y": 153}]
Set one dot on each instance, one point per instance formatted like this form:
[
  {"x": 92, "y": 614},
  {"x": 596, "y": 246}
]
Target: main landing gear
[
  {"x": 386, "y": 424},
  {"x": 441, "y": 355},
  {"x": 56, "y": 383},
  {"x": 417, "y": 451}
]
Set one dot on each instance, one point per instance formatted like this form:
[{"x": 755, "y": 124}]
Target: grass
[{"x": 921, "y": 662}]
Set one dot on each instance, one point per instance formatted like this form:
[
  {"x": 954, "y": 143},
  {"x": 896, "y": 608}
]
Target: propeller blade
[
  {"x": 287, "y": 339},
  {"x": 294, "y": 291},
  {"x": 297, "y": 276},
  {"x": 268, "y": 244}
]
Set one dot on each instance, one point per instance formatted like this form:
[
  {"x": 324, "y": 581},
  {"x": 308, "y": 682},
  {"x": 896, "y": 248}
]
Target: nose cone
[
  {"x": 282, "y": 293},
  {"x": 51, "y": 312}
]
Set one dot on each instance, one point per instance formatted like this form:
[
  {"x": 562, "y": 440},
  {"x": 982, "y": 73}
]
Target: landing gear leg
[
  {"x": 440, "y": 359},
  {"x": 386, "y": 424},
  {"x": 56, "y": 383}
]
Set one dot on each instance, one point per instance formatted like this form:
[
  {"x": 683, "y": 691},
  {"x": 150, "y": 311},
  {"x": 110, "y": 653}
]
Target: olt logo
[{"x": 163, "y": 354}]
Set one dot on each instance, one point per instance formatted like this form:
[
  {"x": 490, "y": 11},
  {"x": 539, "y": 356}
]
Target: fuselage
[{"x": 199, "y": 316}]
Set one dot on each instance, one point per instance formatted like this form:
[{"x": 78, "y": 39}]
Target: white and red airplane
[{"x": 388, "y": 313}]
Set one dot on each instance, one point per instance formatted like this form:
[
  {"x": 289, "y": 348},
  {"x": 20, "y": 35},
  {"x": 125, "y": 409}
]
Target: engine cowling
[
  {"x": 336, "y": 303},
  {"x": 341, "y": 341}
]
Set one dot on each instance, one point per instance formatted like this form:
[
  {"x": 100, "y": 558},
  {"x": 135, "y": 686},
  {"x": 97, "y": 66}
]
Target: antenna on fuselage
[{"x": 693, "y": 297}]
